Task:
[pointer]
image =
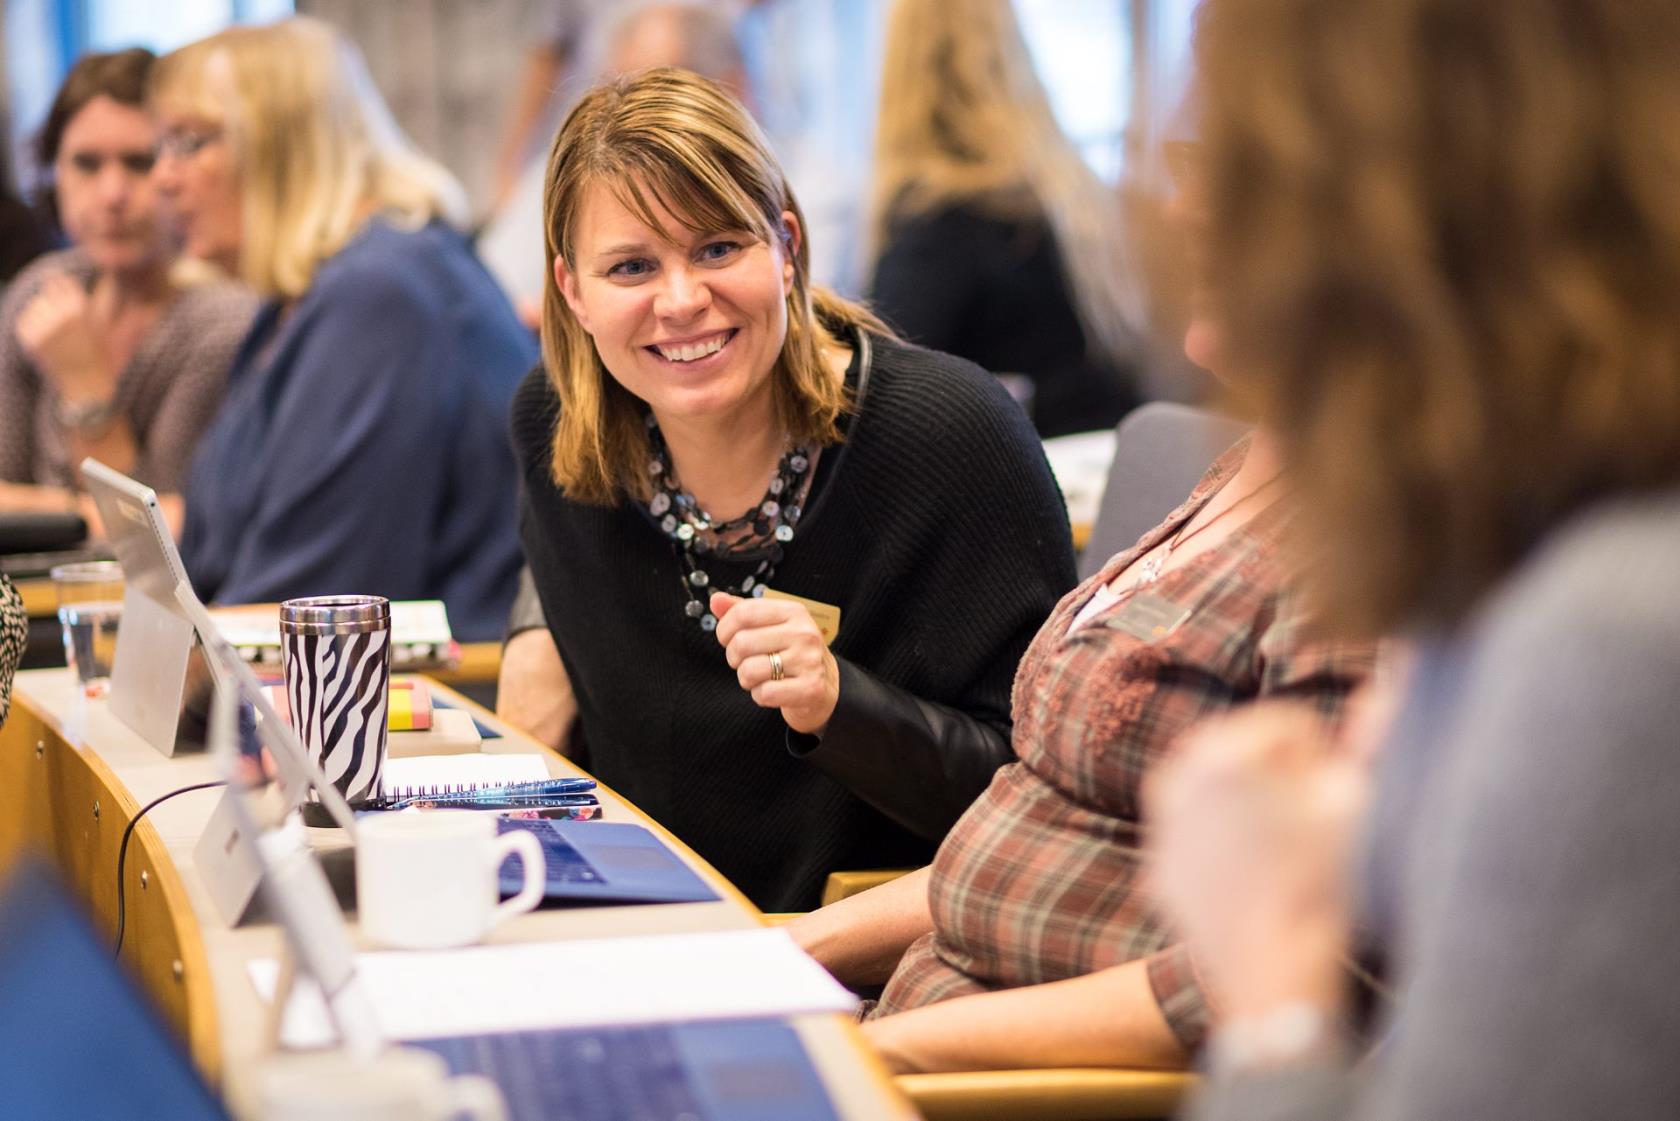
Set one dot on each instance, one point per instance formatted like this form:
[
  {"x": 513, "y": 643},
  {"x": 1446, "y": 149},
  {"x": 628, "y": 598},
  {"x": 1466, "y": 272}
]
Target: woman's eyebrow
[{"x": 623, "y": 247}]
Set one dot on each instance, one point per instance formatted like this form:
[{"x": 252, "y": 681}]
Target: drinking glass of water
[{"x": 90, "y": 599}]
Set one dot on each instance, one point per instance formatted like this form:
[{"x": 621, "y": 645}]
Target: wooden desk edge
[
  {"x": 997, "y": 1095},
  {"x": 879, "y": 1075},
  {"x": 40, "y": 598},
  {"x": 480, "y": 664},
  {"x": 203, "y": 1025}
]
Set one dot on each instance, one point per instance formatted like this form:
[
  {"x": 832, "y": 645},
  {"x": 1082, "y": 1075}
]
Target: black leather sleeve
[{"x": 922, "y": 764}]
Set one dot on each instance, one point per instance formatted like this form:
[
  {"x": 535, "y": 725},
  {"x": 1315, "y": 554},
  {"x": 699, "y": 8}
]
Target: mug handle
[
  {"x": 475, "y": 1096},
  {"x": 524, "y": 845}
]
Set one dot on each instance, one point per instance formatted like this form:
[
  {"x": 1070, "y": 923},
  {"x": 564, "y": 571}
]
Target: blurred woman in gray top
[
  {"x": 112, "y": 348},
  {"x": 1450, "y": 242}
]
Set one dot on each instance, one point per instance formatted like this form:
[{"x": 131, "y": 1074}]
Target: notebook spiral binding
[{"x": 499, "y": 790}]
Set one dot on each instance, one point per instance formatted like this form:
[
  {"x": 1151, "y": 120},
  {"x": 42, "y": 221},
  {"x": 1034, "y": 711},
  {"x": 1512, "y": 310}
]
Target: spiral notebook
[
  {"x": 463, "y": 771},
  {"x": 552, "y": 793}
]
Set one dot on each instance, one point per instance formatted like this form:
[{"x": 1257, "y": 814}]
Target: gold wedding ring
[{"x": 776, "y": 673}]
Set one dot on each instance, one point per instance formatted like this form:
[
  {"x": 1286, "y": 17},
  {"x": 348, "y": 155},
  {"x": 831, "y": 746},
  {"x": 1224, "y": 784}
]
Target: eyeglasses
[{"x": 186, "y": 143}]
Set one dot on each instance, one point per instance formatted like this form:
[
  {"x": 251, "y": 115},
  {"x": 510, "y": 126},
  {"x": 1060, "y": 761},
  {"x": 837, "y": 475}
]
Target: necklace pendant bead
[
  {"x": 687, "y": 525},
  {"x": 1150, "y": 570}
]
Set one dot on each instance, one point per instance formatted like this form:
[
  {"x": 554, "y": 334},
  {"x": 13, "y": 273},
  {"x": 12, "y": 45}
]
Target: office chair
[{"x": 1161, "y": 451}]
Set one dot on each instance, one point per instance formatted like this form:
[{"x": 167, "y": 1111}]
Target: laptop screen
[{"x": 77, "y": 1037}]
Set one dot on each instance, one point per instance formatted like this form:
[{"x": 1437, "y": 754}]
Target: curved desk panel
[
  {"x": 63, "y": 801},
  {"x": 62, "y": 756}
]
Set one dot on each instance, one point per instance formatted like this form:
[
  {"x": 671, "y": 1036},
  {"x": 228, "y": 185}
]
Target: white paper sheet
[
  {"x": 454, "y": 770},
  {"x": 420, "y": 621},
  {"x": 1080, "y": 463},
  {"x": 571, "y": 984}
]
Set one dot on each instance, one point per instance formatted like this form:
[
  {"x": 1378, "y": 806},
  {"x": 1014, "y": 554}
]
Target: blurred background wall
[{"x": 449, "y": 67}]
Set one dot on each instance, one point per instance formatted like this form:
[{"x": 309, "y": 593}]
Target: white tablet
[{"x": 150, "y": 672}]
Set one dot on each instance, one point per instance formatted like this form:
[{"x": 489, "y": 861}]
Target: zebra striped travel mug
[{"x": 335, "y": 652}]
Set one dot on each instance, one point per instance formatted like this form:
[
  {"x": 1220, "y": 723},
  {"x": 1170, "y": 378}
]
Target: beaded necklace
[{"x": 696, "y": 536}]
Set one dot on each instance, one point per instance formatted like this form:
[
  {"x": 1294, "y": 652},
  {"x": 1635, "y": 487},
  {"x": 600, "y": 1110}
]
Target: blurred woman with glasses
[{"x": 363, "y": 443}]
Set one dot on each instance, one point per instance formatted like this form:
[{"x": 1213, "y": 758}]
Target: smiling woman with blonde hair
[
  {"x": 361, "y": 447},
  {"x": 787, "y": 562},
  {"x": 316, "y": 147}
]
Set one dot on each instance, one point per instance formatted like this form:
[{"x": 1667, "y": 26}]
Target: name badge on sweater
[
  {"x": 1150, "y": 617},
  {"x": 825, "y": 615}
]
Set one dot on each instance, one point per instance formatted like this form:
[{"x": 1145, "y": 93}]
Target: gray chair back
[{"x": 1161, "y": 450}]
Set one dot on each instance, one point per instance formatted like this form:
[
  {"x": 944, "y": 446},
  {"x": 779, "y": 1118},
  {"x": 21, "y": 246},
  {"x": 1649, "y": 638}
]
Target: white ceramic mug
[
  {"x": 398, "y": 1084},
  {"x": 427, "y": 879}
]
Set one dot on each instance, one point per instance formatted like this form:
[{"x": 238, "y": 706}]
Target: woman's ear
[
  {"x": 566, "y": 280},
  {"x": 791, "y": 236}
]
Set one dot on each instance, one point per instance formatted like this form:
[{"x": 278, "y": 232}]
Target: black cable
[{"x": 122, "y": 851}]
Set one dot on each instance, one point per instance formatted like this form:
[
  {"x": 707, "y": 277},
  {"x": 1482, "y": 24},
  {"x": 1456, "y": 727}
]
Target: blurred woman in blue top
[{"x": 362, "y": 445}]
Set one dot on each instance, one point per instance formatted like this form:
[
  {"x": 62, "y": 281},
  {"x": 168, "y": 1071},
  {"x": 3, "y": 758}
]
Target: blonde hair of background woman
[
  {"x": 671, "y": 137},
  {"x": 315, "y": 148},
  {"x": 965, "y": 120}
]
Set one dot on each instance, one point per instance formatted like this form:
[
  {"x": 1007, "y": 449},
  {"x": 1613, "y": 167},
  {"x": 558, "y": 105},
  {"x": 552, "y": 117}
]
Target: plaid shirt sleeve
[
  {"x": 1298, "y": 662},
  {"x": 1183, "y": 998},
  {"x": 1295, "y": 663}
]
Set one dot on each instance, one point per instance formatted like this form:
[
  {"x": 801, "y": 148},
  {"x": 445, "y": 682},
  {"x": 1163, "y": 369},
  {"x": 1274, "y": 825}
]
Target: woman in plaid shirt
[{"x": 1033, "y": 938}]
